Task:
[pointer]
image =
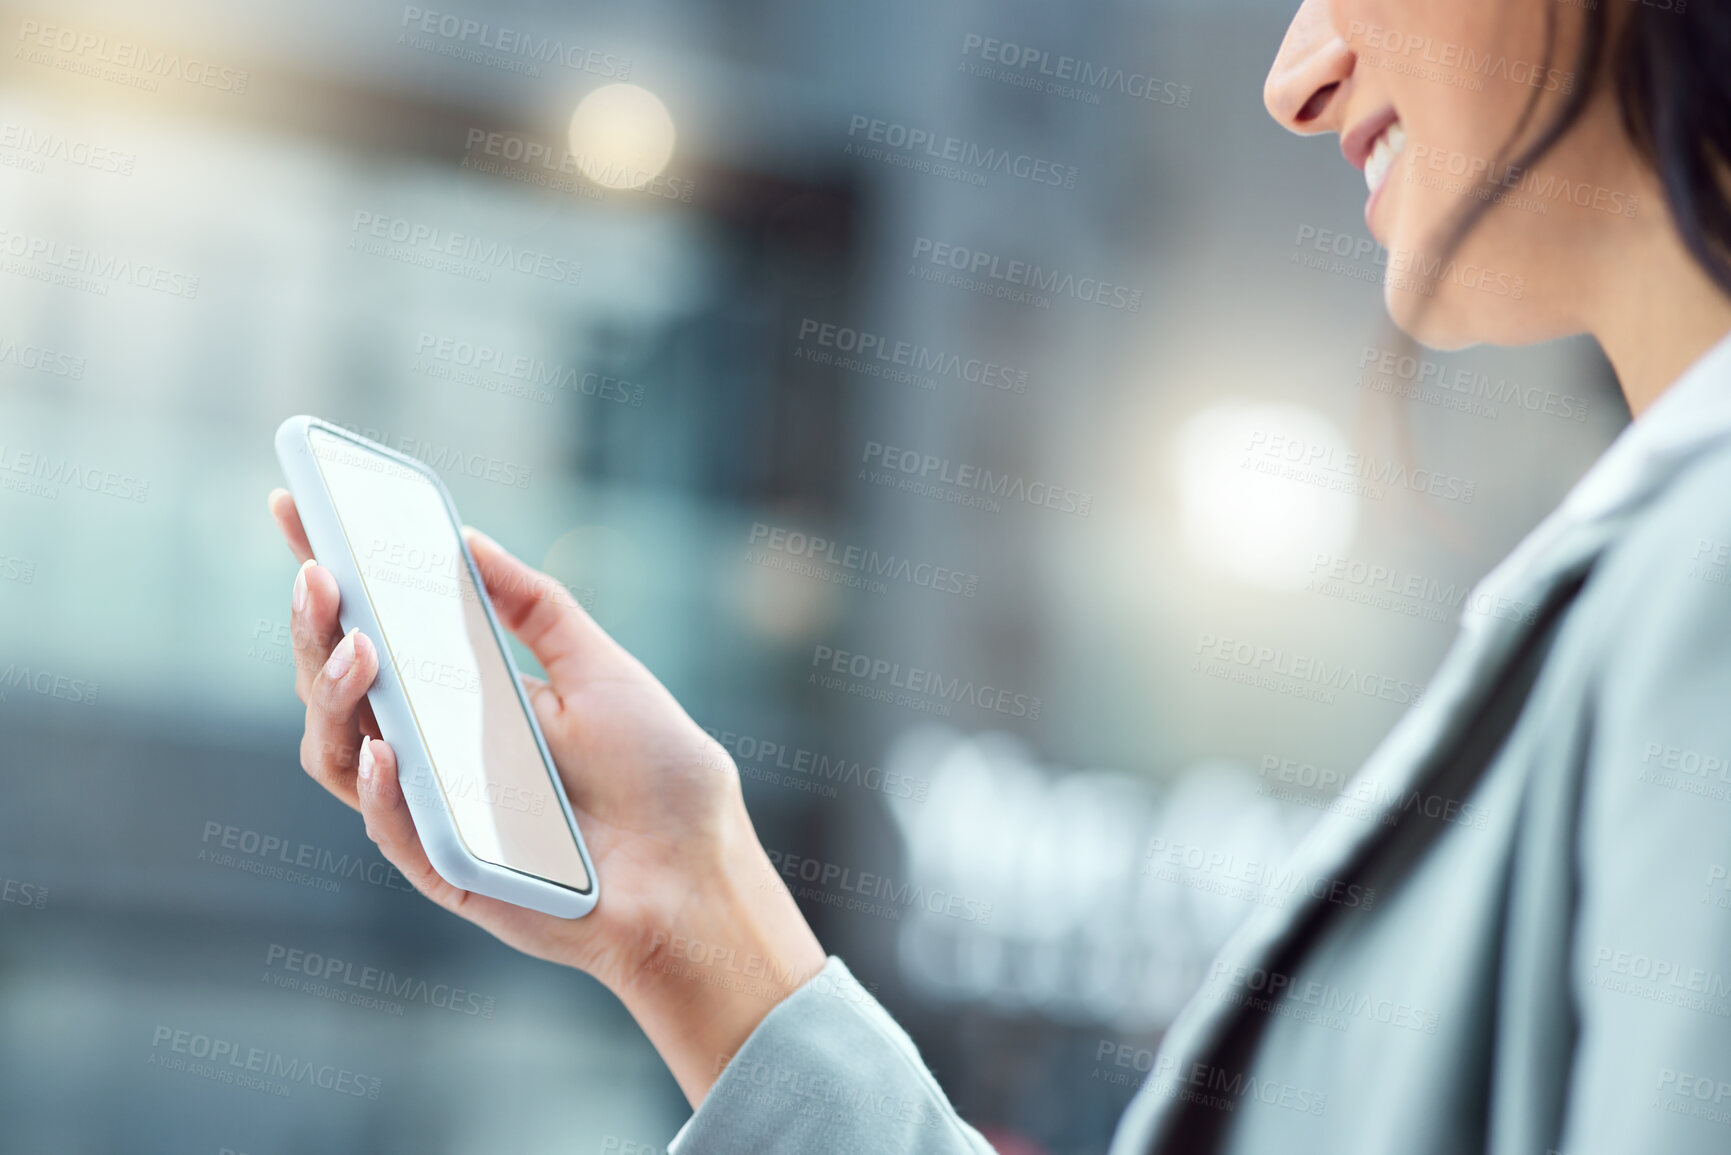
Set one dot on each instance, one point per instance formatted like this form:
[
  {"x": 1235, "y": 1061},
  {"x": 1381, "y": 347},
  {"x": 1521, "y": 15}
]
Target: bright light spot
[
  {"x": 1262, "y": 529},
  {"x": 621, "y": 136},
  {"x": 782, "y": 605}
]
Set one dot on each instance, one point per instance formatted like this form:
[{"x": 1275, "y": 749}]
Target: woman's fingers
[
  {"x": 316, "y": 629},
  {"x": 313, "y": 624},
  {"x": 331, "y": 744},
  {"x": 288, "y": 520},
  {"x": 341, "y": 748},
  {"x": 390, "y": 825},
  {"x": 544, "y": 615},
  {"x": 314, "y": 602}
]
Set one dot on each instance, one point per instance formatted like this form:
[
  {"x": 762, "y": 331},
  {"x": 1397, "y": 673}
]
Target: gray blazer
[{"x": 1527, "y": 949}]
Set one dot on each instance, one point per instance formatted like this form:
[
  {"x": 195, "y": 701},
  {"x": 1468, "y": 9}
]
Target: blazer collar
[
  {"x": 1688, "y": 418},
  {"x": 1693, "y": 415}
]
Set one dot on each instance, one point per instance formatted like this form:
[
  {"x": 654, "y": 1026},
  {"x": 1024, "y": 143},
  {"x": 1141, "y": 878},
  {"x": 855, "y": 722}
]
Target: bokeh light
[
  {"x": 1261, "y": 529},
  {"x": 622, "y": 136}
]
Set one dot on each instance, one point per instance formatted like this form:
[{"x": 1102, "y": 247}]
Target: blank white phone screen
[{"x": 484, "y": 756}]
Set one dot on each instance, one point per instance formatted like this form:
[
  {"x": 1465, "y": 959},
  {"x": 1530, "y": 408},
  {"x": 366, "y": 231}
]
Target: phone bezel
[{"x": 434, "y": 821}]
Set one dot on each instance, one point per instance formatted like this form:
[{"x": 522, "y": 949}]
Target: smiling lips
[
  {"x": 1372, "y": 144},
  {"x": 1388, "y": 145}
]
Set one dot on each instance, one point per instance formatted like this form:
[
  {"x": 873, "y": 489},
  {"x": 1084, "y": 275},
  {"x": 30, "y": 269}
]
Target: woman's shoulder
[
  {"x": 1648, "y": 666},
  {"x": 1656, "y": 610},
  {"x": 1673, "y": 556}
]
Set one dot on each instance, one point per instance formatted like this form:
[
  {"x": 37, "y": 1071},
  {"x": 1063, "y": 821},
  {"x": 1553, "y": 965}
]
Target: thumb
[{"x": 541, "y": 612}]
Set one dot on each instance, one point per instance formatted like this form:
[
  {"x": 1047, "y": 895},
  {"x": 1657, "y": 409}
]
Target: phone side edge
[{"x": 434, "y": 821}]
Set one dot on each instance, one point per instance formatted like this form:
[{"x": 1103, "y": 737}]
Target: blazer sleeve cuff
[{"x": 827, "y": 1070}]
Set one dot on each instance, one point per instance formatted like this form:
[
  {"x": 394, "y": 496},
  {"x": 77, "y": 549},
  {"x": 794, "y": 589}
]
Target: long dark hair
[
  {"x": 1669, "y": 69},
  {"x": 1669, "y": 65},
  {"x": 1673, "y": 75}
]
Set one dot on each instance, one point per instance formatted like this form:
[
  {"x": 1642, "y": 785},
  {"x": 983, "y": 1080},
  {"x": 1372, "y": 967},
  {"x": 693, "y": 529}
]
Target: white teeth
[{"x": 1381, "y": 158}]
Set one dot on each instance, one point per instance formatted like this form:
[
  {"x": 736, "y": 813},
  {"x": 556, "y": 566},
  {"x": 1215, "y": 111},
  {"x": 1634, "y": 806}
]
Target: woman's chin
[
  {"x": 1426, "y": 317},
  {"x": 1450, "y": 317}
]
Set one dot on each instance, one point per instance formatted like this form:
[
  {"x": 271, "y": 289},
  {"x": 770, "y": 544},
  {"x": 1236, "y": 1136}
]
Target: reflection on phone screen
[{"x": 484, "y": 756}]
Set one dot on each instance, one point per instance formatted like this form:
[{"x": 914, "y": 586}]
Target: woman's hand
[{"x": 657, "y": 799}]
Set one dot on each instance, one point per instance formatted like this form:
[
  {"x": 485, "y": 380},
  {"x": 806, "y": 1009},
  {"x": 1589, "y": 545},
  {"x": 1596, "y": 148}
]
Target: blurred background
[{"x": 802, "y": 341}]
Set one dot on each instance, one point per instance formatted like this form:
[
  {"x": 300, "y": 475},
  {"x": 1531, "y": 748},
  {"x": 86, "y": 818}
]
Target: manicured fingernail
[
  {"x": 367, "y": 762},
  {"x": 301, "y": 586},
  {"x": 342, "y": 658}
]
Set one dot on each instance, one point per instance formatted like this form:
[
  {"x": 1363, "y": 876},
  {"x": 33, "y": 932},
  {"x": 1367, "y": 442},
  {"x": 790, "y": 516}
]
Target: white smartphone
[{"x": 474, "y": 766}]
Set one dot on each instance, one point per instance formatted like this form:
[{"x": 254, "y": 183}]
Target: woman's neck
[{"x": 1657, "y": 312}]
